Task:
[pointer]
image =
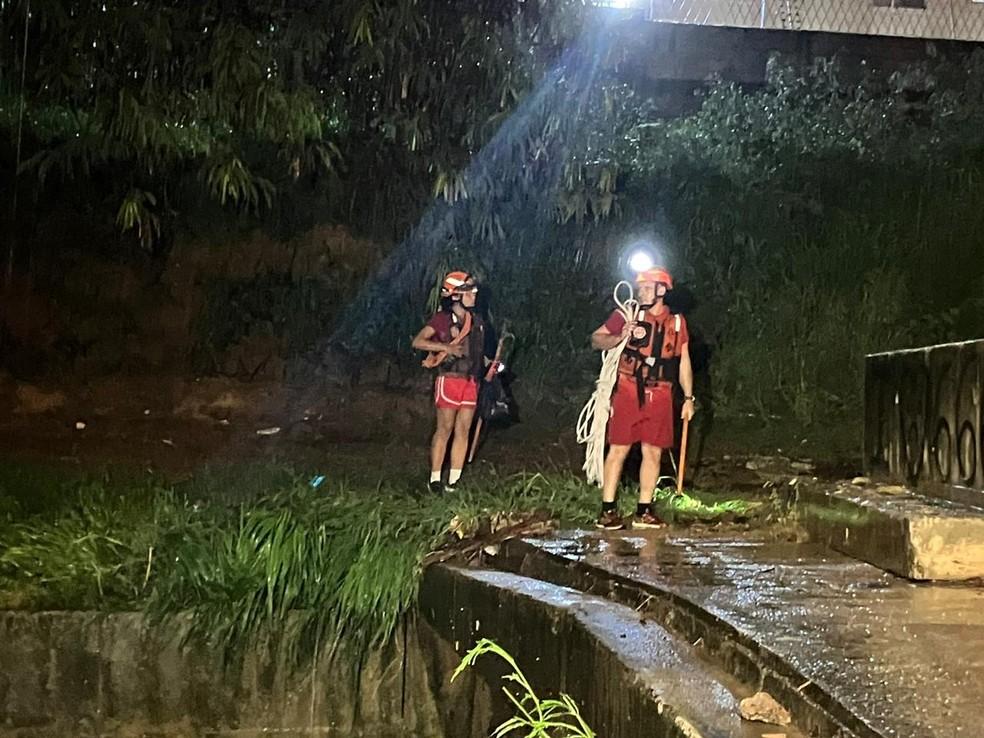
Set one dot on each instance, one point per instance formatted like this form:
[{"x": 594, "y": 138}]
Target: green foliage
[
  {"x": 675, "y": 507},
  {"x": 136, "y": 211},
  {"x": 302, "y": 568},
  {"x": 535, "y": 717},
  {"x": 256, "y": 99},
  {"x": 771, "y": 136},
  {"x": 99, "y": 553},
  {"x": 818, "y": 219}
]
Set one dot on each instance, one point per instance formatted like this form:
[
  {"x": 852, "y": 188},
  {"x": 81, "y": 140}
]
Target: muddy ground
[{"x": 173, "y": 426}]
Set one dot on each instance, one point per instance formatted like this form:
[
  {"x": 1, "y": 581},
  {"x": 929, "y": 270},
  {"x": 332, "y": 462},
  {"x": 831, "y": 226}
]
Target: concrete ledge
[
  {"x": 815, "y": 711},
  {"x": 629, "y": 675},
  {"x": 895, "y": 529}
]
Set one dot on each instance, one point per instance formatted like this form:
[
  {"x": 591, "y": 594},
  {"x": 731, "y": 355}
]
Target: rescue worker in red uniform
[
  {"x": 655, "y": 357},
  {"x": 455, "y": 338}
]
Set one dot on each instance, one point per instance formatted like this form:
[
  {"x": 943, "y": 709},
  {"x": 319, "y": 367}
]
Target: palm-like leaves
[{"x": 161, "y": 88}]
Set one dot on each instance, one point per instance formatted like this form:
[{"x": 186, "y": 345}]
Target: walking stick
[
  {"x": 683, "y": 456},
  {"x": 475, "y": 437}
]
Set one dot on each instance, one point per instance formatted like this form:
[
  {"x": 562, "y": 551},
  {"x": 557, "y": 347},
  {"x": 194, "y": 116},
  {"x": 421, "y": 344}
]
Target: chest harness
[{"x": 651, "y": 356}]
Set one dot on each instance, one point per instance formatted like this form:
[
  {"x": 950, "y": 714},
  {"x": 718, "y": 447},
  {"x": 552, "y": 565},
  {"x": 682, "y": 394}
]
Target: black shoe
[
  {"x": 449, "y": 488},
  {"x": 435, "y": 488}
]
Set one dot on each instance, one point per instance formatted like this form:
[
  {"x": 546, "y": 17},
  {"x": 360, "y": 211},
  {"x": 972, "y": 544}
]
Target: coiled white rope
[{"x": 593, "y": 420}]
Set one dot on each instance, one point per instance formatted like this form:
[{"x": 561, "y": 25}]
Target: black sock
[
  {"x": 643, "y": 507},
  {"x": 608, "y": 506}
]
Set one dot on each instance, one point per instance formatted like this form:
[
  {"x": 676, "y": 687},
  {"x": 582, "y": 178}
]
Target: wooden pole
[
  {"x": 475, "y": 437},
  {"x": 683, "y": 456}
]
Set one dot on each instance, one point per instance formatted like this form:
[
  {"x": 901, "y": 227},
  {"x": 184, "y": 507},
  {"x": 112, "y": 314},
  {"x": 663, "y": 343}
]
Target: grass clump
[
  {"x": 534, "y": 717},
  {"x": 331, "y": 567}
]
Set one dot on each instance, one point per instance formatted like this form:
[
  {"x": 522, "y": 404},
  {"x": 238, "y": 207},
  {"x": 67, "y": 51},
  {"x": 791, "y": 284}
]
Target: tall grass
[{"x": 326, "y": 568}]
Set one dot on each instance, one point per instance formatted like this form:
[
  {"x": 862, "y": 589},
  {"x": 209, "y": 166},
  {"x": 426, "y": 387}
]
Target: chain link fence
[{"x": 959, "y": 20}]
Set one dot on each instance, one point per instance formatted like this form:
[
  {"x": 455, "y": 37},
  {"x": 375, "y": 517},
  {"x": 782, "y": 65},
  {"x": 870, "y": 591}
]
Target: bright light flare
[{"x": 641, "y": 260}]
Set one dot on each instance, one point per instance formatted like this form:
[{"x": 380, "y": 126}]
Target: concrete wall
[
  {"x": 86, "y": 674},
  {"x": 923, "y": 417}
]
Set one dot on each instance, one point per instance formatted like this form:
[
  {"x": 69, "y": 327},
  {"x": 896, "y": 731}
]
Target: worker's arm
[
  {"x": 603, "y": 340},
  {"x": 686, "y": 382},
  {"x": 423, "y": 341}
]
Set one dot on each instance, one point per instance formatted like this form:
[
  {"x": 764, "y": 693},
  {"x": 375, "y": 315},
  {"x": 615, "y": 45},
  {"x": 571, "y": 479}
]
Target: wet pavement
[{"x": 907, "y": 659}]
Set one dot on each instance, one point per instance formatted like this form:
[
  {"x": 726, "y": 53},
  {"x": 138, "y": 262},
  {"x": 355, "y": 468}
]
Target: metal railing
[{"x": 959, "y": 20}]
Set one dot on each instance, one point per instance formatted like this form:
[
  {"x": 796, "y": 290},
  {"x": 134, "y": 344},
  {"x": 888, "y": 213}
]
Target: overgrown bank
[{"x": 339, "y": 562}]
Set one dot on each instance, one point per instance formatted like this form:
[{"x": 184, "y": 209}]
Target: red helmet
[
  {"x": 457, "y": 282},
  {"x": 656, "y": 274}
]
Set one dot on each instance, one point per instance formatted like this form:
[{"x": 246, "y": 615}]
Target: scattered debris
[
  {"x": 860, "y": 481},
  {"x": 147, "y": 411},
  {"x": 762, "y": 707},
  {"x": 167, "y": 442},
  {"x": 534, "y": 524},
  {"x": 803, "y": 466},
  {"x": 79, "y": 425},
  {"x": 892, "y": 489},
  {"x": 317, "y": 480},
  {"x": 271, "y": 431},
  {"x": 224, "y": 421},
  {"x": 458, "y": 527}
]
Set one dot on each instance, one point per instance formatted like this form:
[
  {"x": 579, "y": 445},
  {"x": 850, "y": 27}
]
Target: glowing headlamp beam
[{"x": 640, "y": 261}]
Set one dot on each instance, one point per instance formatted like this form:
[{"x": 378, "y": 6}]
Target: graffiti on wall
[{"x": 923, "y": 414}]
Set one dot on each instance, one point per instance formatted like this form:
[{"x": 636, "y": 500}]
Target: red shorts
[
  {"x": 651, "y": 424},
  {"x": 454, "y": 393}
]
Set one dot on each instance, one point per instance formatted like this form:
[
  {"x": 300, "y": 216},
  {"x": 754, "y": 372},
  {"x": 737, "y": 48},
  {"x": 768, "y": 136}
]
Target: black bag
[{"x": 494, "y": 402}]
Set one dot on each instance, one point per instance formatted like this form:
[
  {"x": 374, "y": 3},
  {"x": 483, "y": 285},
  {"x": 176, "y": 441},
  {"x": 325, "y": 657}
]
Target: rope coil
[{"x": 593, "y": 420}]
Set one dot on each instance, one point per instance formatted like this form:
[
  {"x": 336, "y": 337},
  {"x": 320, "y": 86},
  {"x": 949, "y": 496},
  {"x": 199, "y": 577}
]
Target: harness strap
[{"x": 646, "y": 366}]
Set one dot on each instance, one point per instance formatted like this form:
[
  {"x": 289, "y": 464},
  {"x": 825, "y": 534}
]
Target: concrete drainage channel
[
  {"x": 92, "y": 674},
  {"x": 631, "y": 676},
  {"x": 718, "y": 664},
  {"x": 638, "y": 658}
]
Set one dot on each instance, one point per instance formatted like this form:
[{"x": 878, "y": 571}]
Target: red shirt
[
  {"x": 441, "y": 323},
  {"x": 471, "y": 363}
]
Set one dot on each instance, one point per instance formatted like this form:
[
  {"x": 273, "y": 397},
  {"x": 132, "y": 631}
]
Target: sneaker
[
  {"x": 648, "y": 520},
  {"x": 610, "y": 520}
]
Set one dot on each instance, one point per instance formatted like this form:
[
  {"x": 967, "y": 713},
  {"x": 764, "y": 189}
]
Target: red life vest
[{"x": 652, "y": 353}]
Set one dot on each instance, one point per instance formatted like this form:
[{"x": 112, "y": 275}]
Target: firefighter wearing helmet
[
  {"x": 655, "y": 358},
  {"x": 455, "y": 341}
]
